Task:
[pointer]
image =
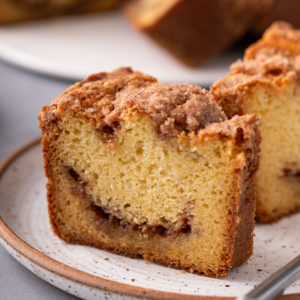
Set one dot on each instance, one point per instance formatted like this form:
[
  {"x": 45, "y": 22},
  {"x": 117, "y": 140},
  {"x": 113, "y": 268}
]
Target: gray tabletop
[{"x": 22, "y": 94}]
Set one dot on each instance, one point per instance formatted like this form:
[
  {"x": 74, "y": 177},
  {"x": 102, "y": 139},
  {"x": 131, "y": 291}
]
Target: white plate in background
[{"x": 74, "y": 47}]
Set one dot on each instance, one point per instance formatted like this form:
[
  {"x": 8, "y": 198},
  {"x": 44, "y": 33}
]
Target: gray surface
[{"x": 22, "y": 94}]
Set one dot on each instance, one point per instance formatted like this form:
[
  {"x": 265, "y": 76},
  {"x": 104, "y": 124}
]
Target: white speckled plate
[
  {"x": 74, "y": 47},
  {"x": 91, "y": 273}
]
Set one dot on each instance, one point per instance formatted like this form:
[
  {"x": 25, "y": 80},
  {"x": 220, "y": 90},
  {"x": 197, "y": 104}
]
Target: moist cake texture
[
  {"x": 267, "y": 83},
  {"x": 153, "y": 170}
]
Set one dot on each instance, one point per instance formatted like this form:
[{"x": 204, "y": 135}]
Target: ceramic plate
[
  {"x": 74, "y": 47},
  {"x": 92, "y": 273}
]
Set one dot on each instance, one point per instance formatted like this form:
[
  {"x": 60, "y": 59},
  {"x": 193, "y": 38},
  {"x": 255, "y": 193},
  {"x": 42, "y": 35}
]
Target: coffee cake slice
[
  {"x": 153, "y": 170},
  {"x": 267, "y": 83}
]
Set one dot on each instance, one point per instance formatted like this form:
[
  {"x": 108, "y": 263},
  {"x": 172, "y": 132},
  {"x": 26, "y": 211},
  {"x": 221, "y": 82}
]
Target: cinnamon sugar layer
[{"x": 79, "y": 188}]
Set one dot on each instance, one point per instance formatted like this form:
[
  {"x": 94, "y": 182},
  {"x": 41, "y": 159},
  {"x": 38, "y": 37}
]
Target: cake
[
  {"x": 194, "y": 30},
  {"x": 267, "y": 83},
  {"x": 154, "y": 170},
  {"x": 283, "y": 10},
  {"x": 12, "y": 11}
]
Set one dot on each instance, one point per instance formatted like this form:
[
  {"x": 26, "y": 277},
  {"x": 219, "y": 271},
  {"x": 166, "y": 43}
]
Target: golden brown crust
[
  {"x": 247, "y": 196},
  {"x": 106, "y": 97},
  {"x": 245, "y": 132},
  {"x": 273, "y": 61},
  {"x": 193, "y": 30}
]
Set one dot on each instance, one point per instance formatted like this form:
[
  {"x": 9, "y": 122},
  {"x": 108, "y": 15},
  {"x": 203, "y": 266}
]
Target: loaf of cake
[
  {"x": 12, "y": 11},
  {"x": 195, "y": 30},
  {"x": 280, "y": 10},
  {"x": 267, "y": 83},
  {"x": 153, "y": 170}
]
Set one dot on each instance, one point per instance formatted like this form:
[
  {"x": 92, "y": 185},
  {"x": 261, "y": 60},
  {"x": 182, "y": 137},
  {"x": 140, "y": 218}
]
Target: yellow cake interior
[
  {"x": 279, "y": 172},
  {"x": 142, "y": 179}
]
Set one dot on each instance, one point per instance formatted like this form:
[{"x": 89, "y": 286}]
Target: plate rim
[
  {"x": 10, "y": 53},
  {"x": 78, "y": 276},
  {"x": 26, "y": 62}
]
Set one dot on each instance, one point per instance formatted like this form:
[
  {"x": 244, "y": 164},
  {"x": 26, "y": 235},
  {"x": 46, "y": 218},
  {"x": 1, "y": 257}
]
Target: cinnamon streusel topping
[{"x": 106, "y": 98}]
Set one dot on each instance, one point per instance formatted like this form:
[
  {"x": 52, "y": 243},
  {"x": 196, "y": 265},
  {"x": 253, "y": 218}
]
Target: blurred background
[{"x": 45, "y": 45}]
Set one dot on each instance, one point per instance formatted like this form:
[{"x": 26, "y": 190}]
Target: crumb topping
[
  {"x": 268, "y": 67},
  {"x": 107, "y": 97},
  {"x": 281, "y": 33},
  {"x": 276, "y": 54},
  {"x": 274, "y": 60},
  {"x": 173, "y": 108},
  {"x": 94, "y": 97}
]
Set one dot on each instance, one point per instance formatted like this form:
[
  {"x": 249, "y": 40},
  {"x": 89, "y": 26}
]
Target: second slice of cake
[
  {"x": 151, "y": 170},
  {"x": 267, "y": 83},
  {"x": 194, "y": 30}
]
